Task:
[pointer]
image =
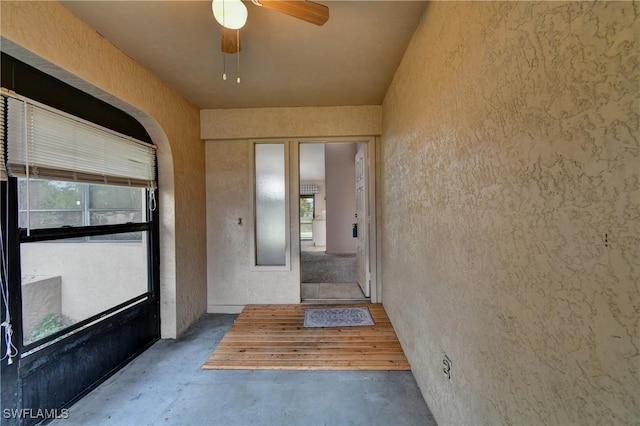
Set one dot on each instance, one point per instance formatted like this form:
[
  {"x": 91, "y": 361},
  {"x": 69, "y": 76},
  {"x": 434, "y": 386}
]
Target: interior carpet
[{"x": 320, "y": 267}]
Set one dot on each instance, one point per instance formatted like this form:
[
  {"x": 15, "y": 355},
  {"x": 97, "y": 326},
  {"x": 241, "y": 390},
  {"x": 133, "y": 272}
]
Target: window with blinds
[
  {"x": 45, "y": 143},
  {"x": 73, "y": 173}
]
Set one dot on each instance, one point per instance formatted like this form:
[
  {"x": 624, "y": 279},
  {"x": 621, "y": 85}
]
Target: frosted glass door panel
[{"x": 271, "y": 220}]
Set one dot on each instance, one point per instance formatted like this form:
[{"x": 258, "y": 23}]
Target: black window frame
[{"x": 85, "y": 211}]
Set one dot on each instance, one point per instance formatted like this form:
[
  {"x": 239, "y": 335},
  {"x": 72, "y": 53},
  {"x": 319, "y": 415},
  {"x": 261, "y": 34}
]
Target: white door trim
[{"x": 374, "y": 232}]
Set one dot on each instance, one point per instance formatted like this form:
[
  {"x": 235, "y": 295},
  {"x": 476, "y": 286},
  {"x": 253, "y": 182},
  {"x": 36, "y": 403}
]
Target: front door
[{"x": 362, "y": 220}]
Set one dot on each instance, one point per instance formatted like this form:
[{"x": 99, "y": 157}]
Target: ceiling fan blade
[
  {"x": 309, "y": 11},
  {"x": 229, "y": 40}
]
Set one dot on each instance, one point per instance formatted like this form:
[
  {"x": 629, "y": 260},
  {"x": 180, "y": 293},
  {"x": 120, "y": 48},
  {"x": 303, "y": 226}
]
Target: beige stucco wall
[
  {"x": 510, "y": 188},
  {"x": 47, "y": 36},
  {"x": 231, "y": 280},
  {"x": 256, "y": 123}
]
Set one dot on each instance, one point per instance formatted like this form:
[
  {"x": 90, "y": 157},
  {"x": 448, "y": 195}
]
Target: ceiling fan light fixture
[{"x": 230, "y": 14}]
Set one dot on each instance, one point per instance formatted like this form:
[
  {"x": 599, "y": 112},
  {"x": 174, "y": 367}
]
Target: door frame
[
  {"x": 361, "y": 185},
  {"x": 374, "y": 231}
]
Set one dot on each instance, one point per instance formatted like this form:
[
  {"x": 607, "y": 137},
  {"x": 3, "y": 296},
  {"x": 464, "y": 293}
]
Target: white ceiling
[{"x": 284, "y": 61}]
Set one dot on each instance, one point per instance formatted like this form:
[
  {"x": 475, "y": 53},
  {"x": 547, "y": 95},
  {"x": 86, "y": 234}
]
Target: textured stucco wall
[
  {"x": 49, "y": 37},
  {"x": 232, "y": 280},
  {"x": 247, "y": 123},
  {"x": 511, "y": 211}
]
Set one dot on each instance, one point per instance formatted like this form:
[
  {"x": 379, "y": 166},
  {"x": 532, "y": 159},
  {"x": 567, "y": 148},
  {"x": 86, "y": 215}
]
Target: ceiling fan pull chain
[
  {"x": 224, "y": 59},
  {"x": 224, "y": 66},
  {"x": 238, "y": 59}
]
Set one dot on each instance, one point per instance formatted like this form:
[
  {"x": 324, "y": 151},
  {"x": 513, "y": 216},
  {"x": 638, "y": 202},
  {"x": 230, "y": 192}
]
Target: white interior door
[{"x": 362, "y": 220}]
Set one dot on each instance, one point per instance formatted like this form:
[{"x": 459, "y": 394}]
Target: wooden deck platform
[{"x": 272, "y": 337}]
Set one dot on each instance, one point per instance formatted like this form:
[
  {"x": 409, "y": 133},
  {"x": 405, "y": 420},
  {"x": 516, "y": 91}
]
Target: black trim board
[
  {"x": 115, "y": 342},
  {"x": 51, "y": 234}
]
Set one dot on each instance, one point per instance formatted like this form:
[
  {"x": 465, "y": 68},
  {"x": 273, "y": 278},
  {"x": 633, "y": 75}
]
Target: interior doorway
[{"x": 332, "y": 239}]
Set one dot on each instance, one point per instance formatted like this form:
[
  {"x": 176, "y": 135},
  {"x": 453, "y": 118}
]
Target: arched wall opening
[
  {"x": 49, "y": 37},
  {"x": 166, "y": 201}
]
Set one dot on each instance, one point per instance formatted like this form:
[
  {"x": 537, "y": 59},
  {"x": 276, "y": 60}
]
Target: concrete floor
[{"x": 166, "y": 386}]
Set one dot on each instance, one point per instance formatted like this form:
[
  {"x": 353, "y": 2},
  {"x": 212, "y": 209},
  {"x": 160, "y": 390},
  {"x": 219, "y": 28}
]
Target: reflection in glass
[
  {"x": 51, "y": 204},
  {"x": 271, "y": 243},
  {"x": 54, "y": 204},
  {"x": 67, "y": 281}
]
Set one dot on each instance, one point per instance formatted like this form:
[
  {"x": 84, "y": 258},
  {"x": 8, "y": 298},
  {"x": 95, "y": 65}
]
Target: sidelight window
[{"x": 270, "y": 201}]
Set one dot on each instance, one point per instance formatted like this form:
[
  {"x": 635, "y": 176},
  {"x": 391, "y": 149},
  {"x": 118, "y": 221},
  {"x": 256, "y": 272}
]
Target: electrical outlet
[{"x": 448, "y": 365}]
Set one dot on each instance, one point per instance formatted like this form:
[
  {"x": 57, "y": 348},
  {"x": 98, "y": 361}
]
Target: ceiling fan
[{"x": 308, "y": 11}]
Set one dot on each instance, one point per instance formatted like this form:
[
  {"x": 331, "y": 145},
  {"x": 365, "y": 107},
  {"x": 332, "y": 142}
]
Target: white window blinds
[
  {"x": 308, "y": 189},
  {"x": 45, "y": 143},
  {"x": 3, "y": 171}
]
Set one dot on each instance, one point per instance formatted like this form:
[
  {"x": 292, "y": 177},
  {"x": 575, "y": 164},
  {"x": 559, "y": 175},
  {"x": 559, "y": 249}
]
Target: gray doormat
[{"x": 337, "y": 317}]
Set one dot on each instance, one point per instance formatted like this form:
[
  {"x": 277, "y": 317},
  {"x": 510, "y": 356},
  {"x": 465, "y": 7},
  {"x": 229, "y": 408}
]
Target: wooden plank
[{"x": 272, "y": 337}]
